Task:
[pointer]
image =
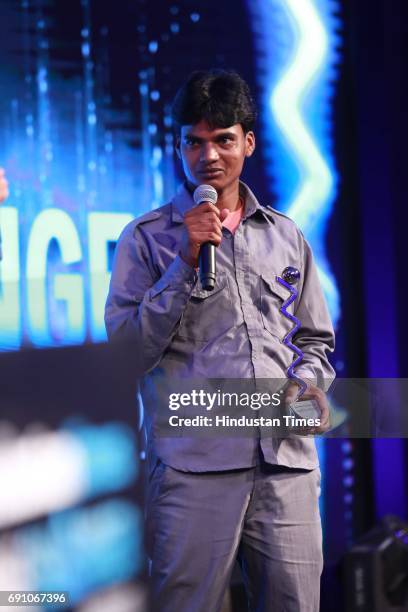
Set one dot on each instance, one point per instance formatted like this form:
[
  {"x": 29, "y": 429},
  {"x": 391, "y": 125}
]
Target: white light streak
[
  {"x": 40, "y": 474},
  {"x": 286, "y": 102}
]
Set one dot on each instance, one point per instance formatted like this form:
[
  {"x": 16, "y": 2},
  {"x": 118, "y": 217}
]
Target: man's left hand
[{"x": 312, "y": 393}]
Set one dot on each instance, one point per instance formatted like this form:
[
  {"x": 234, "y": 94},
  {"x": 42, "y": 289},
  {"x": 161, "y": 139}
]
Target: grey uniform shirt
[{"x": 234, "y": 331}]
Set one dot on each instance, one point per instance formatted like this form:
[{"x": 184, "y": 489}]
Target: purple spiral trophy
[{"x": 303, "y": 409}]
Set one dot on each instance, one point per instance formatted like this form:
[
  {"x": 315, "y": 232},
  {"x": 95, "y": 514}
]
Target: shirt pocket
[
  {"x": 208, "y": 314},
  {"x": 273, "y": 296}
]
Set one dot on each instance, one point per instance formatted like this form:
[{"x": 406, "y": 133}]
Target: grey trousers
[{"x": 198, "y": 523}]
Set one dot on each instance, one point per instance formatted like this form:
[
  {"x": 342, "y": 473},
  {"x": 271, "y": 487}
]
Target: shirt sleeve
[
  {"x": 315, "y": 336},
  {"x": 141, "y": 309}
]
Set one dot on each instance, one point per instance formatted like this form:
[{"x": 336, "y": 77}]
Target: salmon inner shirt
[{"x": 233, "y": 219}]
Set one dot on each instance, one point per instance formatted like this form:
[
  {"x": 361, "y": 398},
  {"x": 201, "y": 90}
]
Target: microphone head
[{"x": 205, "y": 193}]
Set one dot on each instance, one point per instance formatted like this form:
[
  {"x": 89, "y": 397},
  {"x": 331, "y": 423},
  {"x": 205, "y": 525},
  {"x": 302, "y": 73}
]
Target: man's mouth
[{"x": 210, "y": 172}]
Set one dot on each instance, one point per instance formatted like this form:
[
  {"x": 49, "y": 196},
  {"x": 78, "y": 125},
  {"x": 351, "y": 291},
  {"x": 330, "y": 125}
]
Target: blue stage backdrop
[
  {"x": 86, "y": 138},
  {"x": 87, "y": 143}
]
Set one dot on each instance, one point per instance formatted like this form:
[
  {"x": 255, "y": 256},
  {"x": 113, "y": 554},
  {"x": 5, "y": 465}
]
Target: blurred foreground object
[
  {"x": 376, "y": 569},
  {"x": 71, "y": 500}
]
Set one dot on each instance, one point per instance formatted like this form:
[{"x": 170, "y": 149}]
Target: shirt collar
[{"x": 183, "y": 201}]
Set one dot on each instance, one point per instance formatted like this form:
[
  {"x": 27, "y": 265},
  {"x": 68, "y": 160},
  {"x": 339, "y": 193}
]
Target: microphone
[{"x": 206, "y": 262}]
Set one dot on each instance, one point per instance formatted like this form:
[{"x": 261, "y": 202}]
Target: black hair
[{"x": 220, "y": 97}]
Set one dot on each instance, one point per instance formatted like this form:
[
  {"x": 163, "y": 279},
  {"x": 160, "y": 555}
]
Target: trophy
[{"x": 304, "y": 409}]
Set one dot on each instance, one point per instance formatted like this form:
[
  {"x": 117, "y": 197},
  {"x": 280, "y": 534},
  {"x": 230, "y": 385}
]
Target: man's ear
[
  {"x": 249, "y": 144},
  {"x": 177, "y": 146}
]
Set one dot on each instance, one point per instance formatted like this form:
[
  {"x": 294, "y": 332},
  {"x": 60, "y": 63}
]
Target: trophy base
[{"x": 306, "y": 409}]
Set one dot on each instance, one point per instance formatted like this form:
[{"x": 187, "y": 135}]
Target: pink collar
[{"x": 233, "y": 219}]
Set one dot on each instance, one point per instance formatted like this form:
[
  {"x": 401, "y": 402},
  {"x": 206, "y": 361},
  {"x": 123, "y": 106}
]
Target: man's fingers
[
  {"x": 312, "y": 393},
  {"x": 291, "y": 393},
  {"x": 208, "y": 220},
  {"x": 205, "y": 221},
  {"x": 207, "y": 207},
  {"x": 322, "y": 428},
  {"x": 202, "y": 209},
  {"x": 323, "y": 406},
  {"x": 202, "y": 224},
  {"x": 204, "y": 230},
  {"x": 214, "y": 237}
]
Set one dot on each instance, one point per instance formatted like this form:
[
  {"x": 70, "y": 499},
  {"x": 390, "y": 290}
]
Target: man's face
[{"x": 214, "y": 156}]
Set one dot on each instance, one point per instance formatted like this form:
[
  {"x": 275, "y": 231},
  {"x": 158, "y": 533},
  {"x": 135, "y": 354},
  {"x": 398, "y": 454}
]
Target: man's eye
[
  {"x": 225, "y": 140},
  {"x": 190, "y": 142}
]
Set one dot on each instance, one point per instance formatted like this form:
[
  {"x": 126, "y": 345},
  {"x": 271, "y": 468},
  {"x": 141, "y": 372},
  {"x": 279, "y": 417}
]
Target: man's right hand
[{"x": 201, "y": 224}]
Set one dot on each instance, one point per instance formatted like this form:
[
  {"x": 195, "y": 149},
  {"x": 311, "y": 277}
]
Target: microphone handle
[{"x": 206, "y": 264}]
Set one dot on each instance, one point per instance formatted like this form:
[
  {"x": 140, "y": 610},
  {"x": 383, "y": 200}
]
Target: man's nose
[{"x": 208, "y": 152}]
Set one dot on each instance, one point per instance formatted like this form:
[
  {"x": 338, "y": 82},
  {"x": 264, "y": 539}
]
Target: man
[{"x": 211, "y": 500}]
